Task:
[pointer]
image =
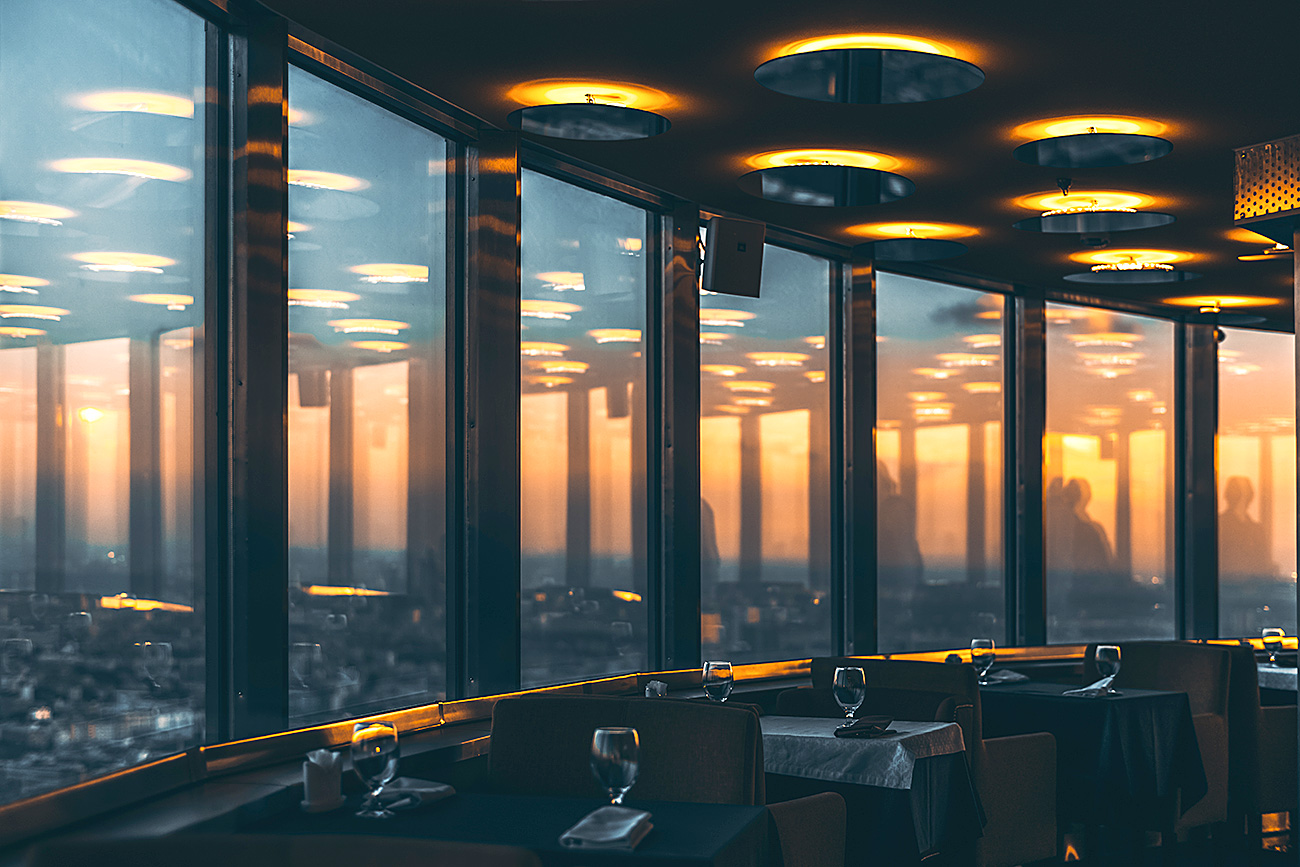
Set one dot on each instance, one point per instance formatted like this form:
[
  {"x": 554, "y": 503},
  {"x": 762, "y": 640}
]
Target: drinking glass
[
  {"x": 1108, "y": 665},
  {"x": 983, "y": 655},
  {"x": 849, "y": 688},
  {"x": 717, "y": 680},
  {"x": 374, "y": 758},
  {"x": 1272, "y": 642},
  {"x": 614, "y": 760}
]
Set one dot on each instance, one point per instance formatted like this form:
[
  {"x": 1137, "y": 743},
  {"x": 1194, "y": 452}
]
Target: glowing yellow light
[
  {"x": 561, "y": 365},
  {"x": 1079, "y": 200},
  {"x": 627, "y": 595},
  {"x": 367, "y": 326},
  {"x": 717, "y": 317},
  {"x": 615, "y": 335},
  {"x": 392, "y": 272},
  {"x": 925, "y": 396},
  {"x": 20, "y": 332},
  {"x": 982, "y": 341},
  {"x": 932, "y": 412},
  {"x": 815, "y": 375},
  {"x": 816, "y": 341},
  {"x": 989, "y": 314},
  {"x": 298, "y": 117},
  {"x": 34, "y": 212},
  {"x": 1274, "y": 252},
  {"x": 822, "y": 156},
  {"x": 143, "y": 169},
  {"x": 630, "y": 245},
  {"x": 1134, "y": 256},
  {"x": 884, "y": 41},
  {"x": 125, "y": 263},
  {"x": 171, "y": 302},
  {"x": 143, "y": 101},
  {"x": 297, "y": 227},
  {"x": 547, "y": 309},
  {"x": 178, "y": 343},
  {"x": 20, "y": 285},
  {"x": 750, "y": 387},
  {"x": 722, "y": 369},
  {"x": 563, "y": 281},
  {"x": 733, "y": 410},
  {"x": 541, "y": 348},
  {"x": 380, "y": 345},
  {"x": 333, "y": 590},
  {"x": 918, "y": 230},
  {"x": 31, "y": 311},
  {"x": 966, "y": 359},
  {"x": 1080, "y": 124},
  {"x": 316, "y": 180},
  {"x": 1247, "y": 237},
  {"x": 325, "y": 299},
  {"x": 130, "y": 603},
  {"x": 1121, "y": 339},
  {"x": 548, "y": 381},
  {"x": 753, "y": 401},
  {"x": 90, "y": 414},
  {"x": 1223, "y": 301},
  {"x": 934, "y": 372},
  {"x": 777, "y": 359},
  {"x": 1141, "y": 395},
  {"x": 713, "y": 338},
  {"x": 1241, "y": 369},
  {"x": 983, "y": 387},
  {"x": 557, "y": 91}
]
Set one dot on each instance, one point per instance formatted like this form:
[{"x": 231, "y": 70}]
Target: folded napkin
[
  {"x": 865, "y": 727},
  {"x": 426, "y": 791},
  {"x": 608, "y": 828},
  {"x": 1006, "y": 675},
  {"x": 1092, "y": 690}
]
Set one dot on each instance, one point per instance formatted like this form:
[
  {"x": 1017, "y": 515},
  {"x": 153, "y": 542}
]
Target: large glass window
[
  {"x": 101, "y": 326},
  {"x": 582, "y": 446},
  {"x": 938, "y": 464},
  {"x": 764, "y": 465},
  {"x": 1257, "y": 482},
  {"x": 367, "y": 406},
  {"x": 1108, "y": 475}
]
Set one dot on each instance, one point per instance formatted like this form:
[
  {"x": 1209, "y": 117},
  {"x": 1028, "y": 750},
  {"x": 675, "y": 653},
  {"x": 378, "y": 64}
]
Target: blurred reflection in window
[
  {"x": 764, "y": 468},
  {"x": 1257, "y": 474},
  {"x": 939, "y": 463},
  {"x": 583, "y": 418},
  {"x": 1107, "y": 475},
  {"x": 367, "y": 406},
  {"x": 101, "y": 327}
]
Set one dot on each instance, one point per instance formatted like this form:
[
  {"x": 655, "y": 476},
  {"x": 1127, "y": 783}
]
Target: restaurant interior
[{"x": 835, "y": 434}]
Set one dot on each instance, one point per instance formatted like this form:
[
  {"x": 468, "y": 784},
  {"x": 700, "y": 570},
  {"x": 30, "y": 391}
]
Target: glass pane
[
  {"x": 1107, "y": 475},
  {"x": 367, "y": 407},
  {"x": 583, "y": 418},
  {"x": 765, "y": 473},
  {"x": 938, "y": 464},
  {"x": 101, "y": 270},
  {"x": 1257, "y": 475}
]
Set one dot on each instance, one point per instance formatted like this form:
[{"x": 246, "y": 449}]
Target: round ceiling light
[
  {"x": 1092, "y": 217},
  {"x": 1132, "y": 267},
  {"x": 589, "y": 110},
  {"x": 915, "y": 249},
  {"x": 1092, "y": 142},
  {"x": 869, "y": 69},
  {"x": 825, "y": 178}
]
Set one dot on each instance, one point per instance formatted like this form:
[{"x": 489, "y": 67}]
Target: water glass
[
  {"x": 614, "y": 760},
  {"x": 849, "y": 688},
  {"x": 374, "y": 758},
  {"x": 982, "y": 654},
  {"x": 1108, "y": 665},
  {"x": 717, "y": 680},
  {"x": 1273, "y": 642}
]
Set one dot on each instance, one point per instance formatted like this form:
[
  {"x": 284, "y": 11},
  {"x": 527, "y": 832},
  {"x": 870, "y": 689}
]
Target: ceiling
[{"x": 1213, "y": 72}]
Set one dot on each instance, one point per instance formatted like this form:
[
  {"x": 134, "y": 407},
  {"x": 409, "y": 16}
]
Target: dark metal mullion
[
  {"x": 454, "y": 443},
  {"x": 1196, "y": 567},
  {"x": 1031, "y": 417},
  {"x": 859, "y": 515},
  {"x": 648, "y": 455},
  {"x": 1011, "y": 423},
  {"x": 837, "y": 340}
]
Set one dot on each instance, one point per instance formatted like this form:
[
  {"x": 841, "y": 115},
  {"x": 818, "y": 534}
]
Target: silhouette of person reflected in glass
[
  {"x": 1243, "y": 551},
  {"x": 1090, "y": 551},
  {"x": 710, "y": 557},
  {"x": 898, "y": 554}
]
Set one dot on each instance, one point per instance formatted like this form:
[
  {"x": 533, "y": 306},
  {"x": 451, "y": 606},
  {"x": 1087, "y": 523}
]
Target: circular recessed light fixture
[
  {"x": 1132, "y": 267},
  {"x": 34, "y": 212},
  {"x": 869, "y": 69},
  {"x": 1085, "y": 214},
  {"x": 825, "y": 178},
  {"x": 815, "y": 375},
  {"x": 1092, "y": 142},
  {"x": 905, "y": 230},
  {"x": 713, "y": 338},
  {"x": 143, "y": 169},
  {"x": 749, "y": 387},
  {"x": 588, "y": 110},
  {"x": 1221, "y": 301},
  {"x": 914, "y": 242},
  {"x": 1213, "y": 313}
]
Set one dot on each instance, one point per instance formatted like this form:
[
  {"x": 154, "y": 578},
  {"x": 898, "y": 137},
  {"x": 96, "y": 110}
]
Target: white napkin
[
  {"x": 1006, "y": 675},
  {"x": 322, "y": 776},
  {"x": 608, "y": 828},
  {"x": 1092, "y": 690},
  {"x": 428, "y": 790}
]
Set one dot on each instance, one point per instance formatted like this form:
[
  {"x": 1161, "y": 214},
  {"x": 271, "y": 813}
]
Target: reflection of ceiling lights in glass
[
  {"x": 20, "y": 332},
  {"x": 815, "y": 375},
  {"x": 777, "y": 359},
  {"x": 548, "y": 381},
  {"x": 562, "y": 365},
  {"x": 934, "y": 372},
  {"x": 713, "y": 338},
  {"x": 966, "y": 359},
  {"x": 540, "y": 348},
  {"x": 753, "y": 401},
  {"x": 983, "y": 387},
  {"x": 731, "y": 410},
  {"x": 615, "y": 335},
  {"x": 392, "y": 272},
  {"x": 563, "y": 281},
  {"x": 20, "y": 285},
  {"x": 932, "y": 412},
  {"x": 317, "y": 180},
  {"x": 1141, "y": 395},
  {"x": 722, "y": 369},
  {"x": 295, "y": 228},
  {"x": 982, "y": 341},
  {"x": 178, "y": 343},
  {"x": 141, "y": 101},
  {"x": 925, "y": 396},
  {"x": 630, "y": 246},
  {"x": 143, "y": 169},
  {"x": 34, "y": 212},
  {"x": 368, "y": 326},
  {"x": 380, "y": 345},
  {"x": 324, "y": 299},
  {"x": 31, "y": 311},
  {"x": 749, "y": 387},
  {"x": 718, "y": 318},
  {"x": 171, "y": 302},
  {"x": 816, "y": 341},
  {"x": 1107, "y": 339},
  {"x": 547, "y": 309},
  {"x": 124, "y": 263}
]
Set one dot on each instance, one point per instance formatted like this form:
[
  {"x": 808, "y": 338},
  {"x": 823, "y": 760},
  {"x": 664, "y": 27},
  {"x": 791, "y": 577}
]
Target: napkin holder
[{"x": 322, "y": 781}]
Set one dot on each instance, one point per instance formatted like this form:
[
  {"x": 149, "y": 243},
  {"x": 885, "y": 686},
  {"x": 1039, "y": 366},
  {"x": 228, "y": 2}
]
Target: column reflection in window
[
  {"x": 1256, "y": 477},
  {"x": 583, "y": 421},
  {"x": 1107, "y": 475},
  {"x": 939, "y": 414},
  {"x": 367, "y": 406},
  {"x": 764, "y": 468}
]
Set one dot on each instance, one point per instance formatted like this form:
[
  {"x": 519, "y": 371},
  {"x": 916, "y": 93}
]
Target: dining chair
[
  {"x": 273, "y": 850},
  {"x": 1015, "y": 776}
]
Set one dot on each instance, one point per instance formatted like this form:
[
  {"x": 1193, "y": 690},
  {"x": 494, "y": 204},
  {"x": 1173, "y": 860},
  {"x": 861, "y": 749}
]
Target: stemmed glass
[
  {"x": 717, "y": 680},
  {"x": 850, "y": 689},
  {"x": 614, "y": 754},
  {"x": 982, "y": 655},
  {"x": 1108, "y": 665},
  {"x": 374, "y": 758},
  {"x": 1272, "y": 642}
]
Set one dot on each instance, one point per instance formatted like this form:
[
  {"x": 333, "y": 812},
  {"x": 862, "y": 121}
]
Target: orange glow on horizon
[
  {"x": 1055, "y": 127},
  {"x": 823, "y": 156},
  {"x": 561, "y": 91}
]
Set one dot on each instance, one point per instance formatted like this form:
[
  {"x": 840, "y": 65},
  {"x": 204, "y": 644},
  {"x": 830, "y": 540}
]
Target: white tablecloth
[
  {"x": 1271, "y": 677},
  {"x": 807, "y": 747}
]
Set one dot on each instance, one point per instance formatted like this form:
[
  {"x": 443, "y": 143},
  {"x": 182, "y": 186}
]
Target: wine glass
[
  {"x": 849, "y": 688},
  {"x": 717, "y": 680},
  {"x": 1272, "y": 642},
  {"x": 374, "y": 758},
  {"x": 983, "y": 655},
  {"x": 614, "y": 760},
  {"x": 1108, "y": 665}
]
